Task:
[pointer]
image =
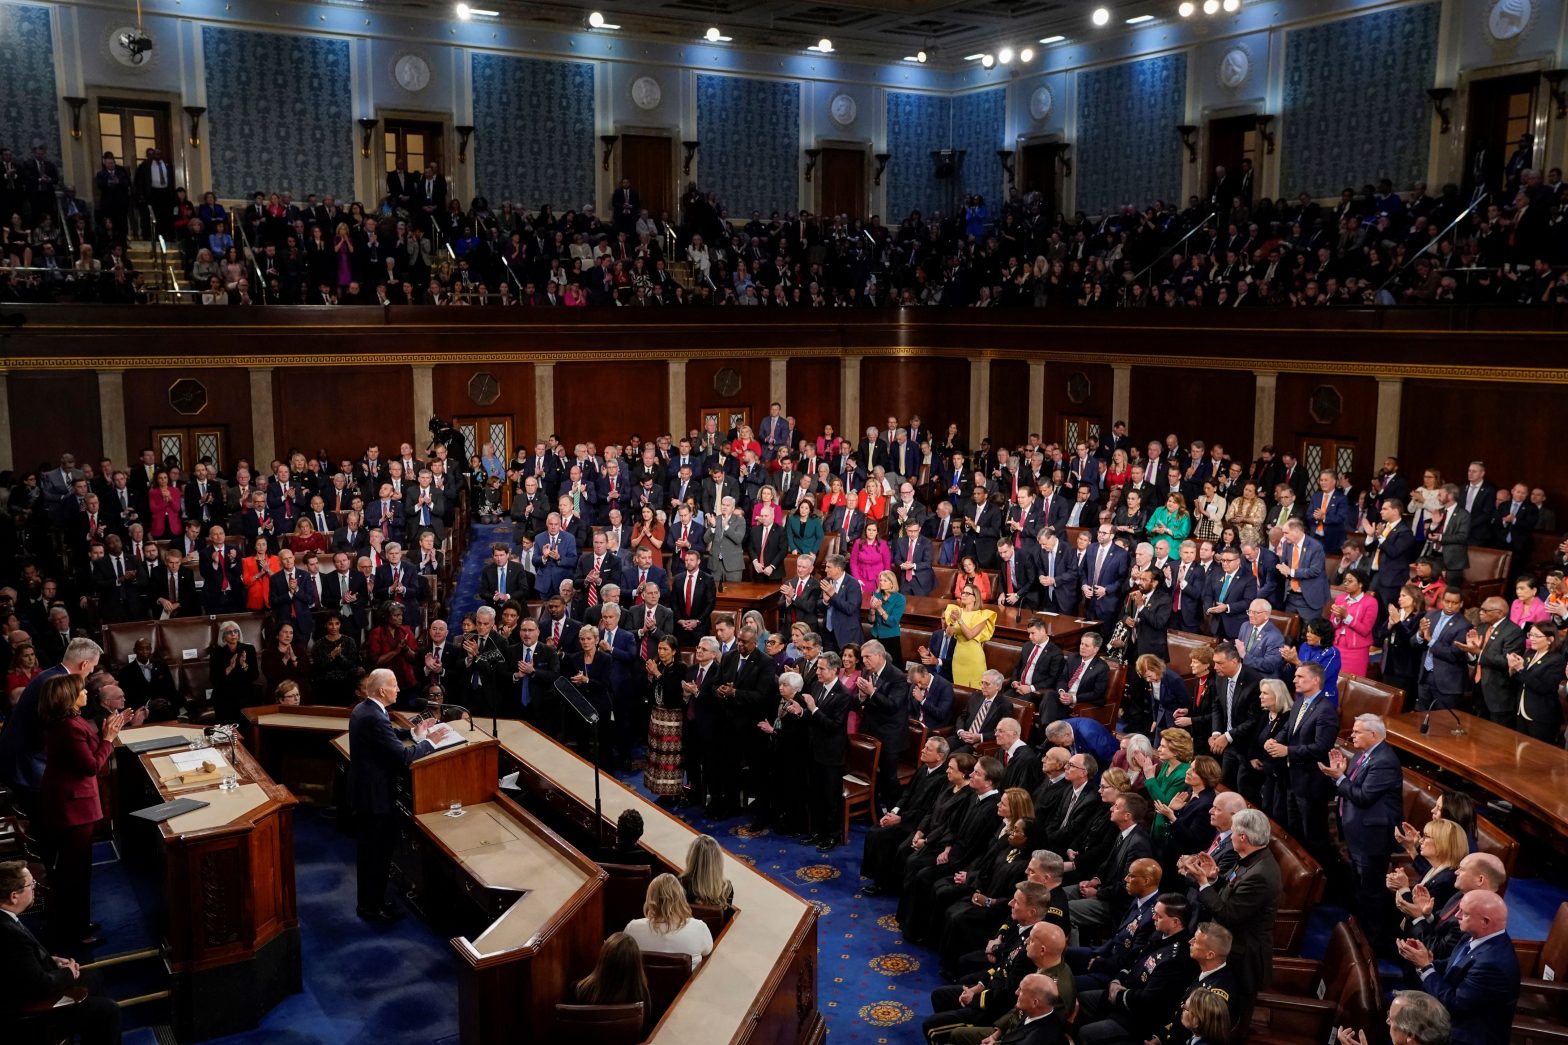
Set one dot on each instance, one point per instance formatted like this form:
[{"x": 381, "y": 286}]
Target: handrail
[
  {"x": 249, "y": 251},
  {"x": 65, "y": 232},
  {"x": 1165, "y": 251},
  {"x": 169, "y": 271},
  {"x": 1480, "y": 194}
]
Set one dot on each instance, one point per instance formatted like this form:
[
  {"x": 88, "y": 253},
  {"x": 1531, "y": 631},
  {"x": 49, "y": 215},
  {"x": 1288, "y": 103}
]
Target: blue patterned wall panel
[
  {"x": 1126, "y": 151},
  {"x": 1355, "y": 104},
  {"x": 750, "y": 134},
  {"x": 916, "y": 124},
  {"x": 534, "y": 131},
  {"x": 28, "y": 110},
  {"x": 979, "y": 128},
  {"x": 279, "y": 113}
]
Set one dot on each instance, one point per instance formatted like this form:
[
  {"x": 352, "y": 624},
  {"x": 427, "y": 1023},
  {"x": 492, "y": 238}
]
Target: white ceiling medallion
[
  {"x": 1041, "y": 102},
  {"x": 411, "y": 72},
  {"x": 1508, "y": 19},
  {"x": 1235, "y": 65},
  {"x": 646, "y": 92},
  {"x": 843, "y": 109}
]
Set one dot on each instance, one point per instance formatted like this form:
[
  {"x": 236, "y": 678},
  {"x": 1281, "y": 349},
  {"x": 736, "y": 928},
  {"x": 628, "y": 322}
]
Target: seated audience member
[
  {"x": 625, "y": 849},
  {"x": 667, "y": 924},
  {"x": 617, "y": 978},
  {"x": 703, "y": 880},
  {"x": 30, "y": 975}
]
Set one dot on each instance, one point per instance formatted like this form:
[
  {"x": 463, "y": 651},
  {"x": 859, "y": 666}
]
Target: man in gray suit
[
  {"x": 57, "y": 485},
  {"x": 1488, "y": 645},
  {"x": 1448, "y": 535},
  {"x": 727, "y": 557}
]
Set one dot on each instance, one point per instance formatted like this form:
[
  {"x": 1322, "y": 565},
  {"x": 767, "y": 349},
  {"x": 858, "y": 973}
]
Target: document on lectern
[{"x": 443, "y": 736}]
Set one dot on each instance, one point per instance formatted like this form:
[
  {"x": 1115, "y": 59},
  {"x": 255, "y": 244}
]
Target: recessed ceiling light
[
  {"x": 712, "y": 35},
  {"x": 1211, "y": 6},
  {"x": 1026, "y": 55},
  {"x": 1005, "y": 56},
  {"x": 988, "y": 60},
  {"x": 1140, "y": 19},
  {"x": 1231, "y": 6},
  {"x": 919, "y": 56},
  {"x": 1186, "y": 9},
  {"x": 1052, "y": 39},
  {"x": 1101, "y": 16},
  {"x": 465, "y": 12},
  {"x": 973, "y": 57},
  {"x": 824, "y": 45}
]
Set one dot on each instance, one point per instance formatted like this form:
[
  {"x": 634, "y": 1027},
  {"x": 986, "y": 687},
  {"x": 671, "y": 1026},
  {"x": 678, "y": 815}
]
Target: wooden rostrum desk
[{"x": 225, "y": 881}]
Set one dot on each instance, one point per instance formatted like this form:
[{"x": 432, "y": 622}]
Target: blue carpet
[{"x": 465, "y": 585}]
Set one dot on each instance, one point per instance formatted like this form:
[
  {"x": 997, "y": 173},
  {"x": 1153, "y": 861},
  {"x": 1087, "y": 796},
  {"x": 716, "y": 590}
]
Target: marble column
[
  {"x": 1121, "y": 394},
  {"x": 1265, "y": 390},
  {"x": 849, "y": 399},
  {"x": 424, "y": 400},
  {"x": 778, "y": 384},
  {"x": 1037, "y": 397},
  {"x": 6, "y": 453},
  {"x": 979, "y": 399},
  {"x": 111, "y": 414},
  {"x": 675, "y": 423},
  {"x": 544, "y": 402},
  {"x": 263, "y": 436},
  {"x": 1390, "y": 400}
]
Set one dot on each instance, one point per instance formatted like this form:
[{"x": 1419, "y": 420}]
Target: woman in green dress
[{"x": 1169, "y": 777}]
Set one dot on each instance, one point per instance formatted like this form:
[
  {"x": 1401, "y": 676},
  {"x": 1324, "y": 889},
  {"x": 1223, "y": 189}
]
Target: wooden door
[
  {"x": 1077, "y": 429},
  {"x": 1317, "y": 453},
  {"x": 843, "y": 180},
  {"x": 1500, "y": 112},
  {"x": 1231, "y": 140},
  {"x": 648, "y": 162},
  {"x": 416, "y": 143},
  {"x": 1039, "y": 175},
  {"x": 186, "y": 446},
  {"x": 129, "y": 128}
]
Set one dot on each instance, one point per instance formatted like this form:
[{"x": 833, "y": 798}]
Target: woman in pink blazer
[
  {"x": 1353, "y": 615},
  {"x": 163, "y": 502},
  {"x": 868, "y": 557},
  {"x": 68, "y": 807}
]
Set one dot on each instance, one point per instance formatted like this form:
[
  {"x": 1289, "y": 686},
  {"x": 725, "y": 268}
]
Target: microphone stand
[
  {"x": 590, "y": 716},
  {"x": 1459, "y": 726},
  {"x": 441, "y": 707}
]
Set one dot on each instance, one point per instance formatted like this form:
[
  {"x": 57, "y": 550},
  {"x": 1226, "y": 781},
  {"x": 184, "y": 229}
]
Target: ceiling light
[
  {"x": 1052, "y": 39},
  {"x": 713, "y": 35},
  {"x": 973, "y": 57},
  {"x": 1211, "y": 7},
  {"x": 988, "y": 60},
  {"x": 1140, "y": 19},
  {"x": 1026, "y": 55},
  {"x": 596, "y": 20},
  {"x": 1005, "y": 56},
  {"x": 464, "y": 12},
  {"x": 920, "y": 56},
  {"x": 1186, "y": 9},
  {"x": 1101, "y": 16},
  {"x": 1231, "y": 6},
  {"x": 824, "y": 45}
]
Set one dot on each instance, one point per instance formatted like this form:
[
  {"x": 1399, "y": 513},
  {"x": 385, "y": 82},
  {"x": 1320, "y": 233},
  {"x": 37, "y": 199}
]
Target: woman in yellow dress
[{"x": 971, "y": 625}]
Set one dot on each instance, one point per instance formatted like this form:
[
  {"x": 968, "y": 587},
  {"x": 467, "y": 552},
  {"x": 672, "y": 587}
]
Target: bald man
[
  {"x": 1439, "y": 929},
  {"x": 1488, "y": 645},
  {"x": 1046, "y": 945},
  {"x": 1479, "y": 983}
]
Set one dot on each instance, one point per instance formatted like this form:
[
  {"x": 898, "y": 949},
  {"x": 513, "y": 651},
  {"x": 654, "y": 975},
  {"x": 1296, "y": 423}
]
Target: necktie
[
  {"x": 522, "y": 693},
  {"x": 691, "y": 587},
  {"x": 1295, "y": 560},
  {"x": 1012, "y": 575},
  {"x": 1181, "y": 578},
  {"x": 985, "y": 706},
  {"x": 1072, "y": 683},
  {"x": 1071, "y": 801},
  {"x": 1034, "y": 655},
  {"x": 119, "y": 568},
  {"x": 1301, "y": 713},
  {"x": 1099, "y": 564},
  {"x": 1355, "y": 767},
  {"x": 174, "y": 587}
]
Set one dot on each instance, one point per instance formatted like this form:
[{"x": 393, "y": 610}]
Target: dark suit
[
  {"x": 1092, "y": 683},
  {"x": 1043, "y": 671},
  {"x": 829, "y": 747},
  {"x": 771, "y": 553},
  {"x": 1233, "y": 710},
  {"x": 936, "y": 711},
  {"x": 918, "y": 581},
  {"x": 1371, "y": 805},
  {"x": 1393, "y": 554},
  {"x": 1443, "y": 682},
  {"x": 884, "y": 714},
  {"x": 407, "y": 578},
  {"x": 1540, "y": 715},
  {"x": 516, "y": 585},
  {"x": 189, "y": 605},
  {"x": 1000, "y": 708},
  {"x": 1111, "y": 574},
  {"x": 32, "y": 975},
  {"x": 334, "y": 587},
  {"x": 1480, "y": 990},
  {"x": 693, "y": 602},
  {"x": 878, "y": 861},
  {"x": 841, "y": 614},
  {"x": 1247, "y": 905},
  {"x": 379, "y": 758},
  {"x": 1499, "y": 691},
  {"x": 1061, "y": 596},
  {"x": 1309, "y": 735}
]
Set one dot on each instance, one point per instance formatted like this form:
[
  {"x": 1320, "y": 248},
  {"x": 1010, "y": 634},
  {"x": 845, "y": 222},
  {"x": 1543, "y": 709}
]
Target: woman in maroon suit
[{"x": 68, "y": 806}]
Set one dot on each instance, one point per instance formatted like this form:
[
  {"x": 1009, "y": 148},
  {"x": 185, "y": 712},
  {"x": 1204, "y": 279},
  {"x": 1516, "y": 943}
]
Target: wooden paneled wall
[
  {"x": 53, "y": 413},
  {"x": 703, "y": 390},
  {"x": 606, "y": 402},
  {"x": 934, "y": 387}
]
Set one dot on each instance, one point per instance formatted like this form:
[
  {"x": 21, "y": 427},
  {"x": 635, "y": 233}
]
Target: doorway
[
  {"x": 1039, "y": 174},
  {"x": 1232, "y": 139},
  {"x": 647, "y": 162},
  {"x": 1078, "y": 429},
  {"x": 416, "y": 143},
  {"x": 1317, "y": 453},
  {"x": 129, "y": 128},
  {"x": 843, "y": 182},
  {"x": 1499, "y": 113},
  {"x": 186, "y": 446}
]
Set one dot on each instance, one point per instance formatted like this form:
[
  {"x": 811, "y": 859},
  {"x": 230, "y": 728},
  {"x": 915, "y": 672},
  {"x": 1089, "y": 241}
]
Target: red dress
[
  {"x": 164, "y": 504},
  {"x": 68, "y": 794},
  {"x": 382, "y": 640}
]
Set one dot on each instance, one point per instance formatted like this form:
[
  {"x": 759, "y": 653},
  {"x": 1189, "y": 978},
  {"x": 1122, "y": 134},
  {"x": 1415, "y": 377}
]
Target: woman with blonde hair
[
  {"x": 1275, "y": 697},
  {"x": 1443, "y": 844},
  {"x": 704, "y": 880},
  {"x": 667, "y": 924}
]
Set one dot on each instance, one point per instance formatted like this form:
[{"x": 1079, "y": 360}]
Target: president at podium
[{"x": 378, "y": 757}]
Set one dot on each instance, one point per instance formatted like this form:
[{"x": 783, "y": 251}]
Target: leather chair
[
  {"x": 1107, "y": 714},
  {"x": 1023, "y": 711},
  {"x": 1487, "y": 574},
  {"x": 1362, "y": 696},
  {"x": 1541, "y": 992},
  {"x": 179, "y": 636},
  {"x": 667, "y": 974},
  {"x": 1289, "y": 625},
  {"x": 909, "y": 760},
  {"x": 1181, "y": 645},
  {"x": 600, "y": 1024},
  {"x": 944, "y": 580},
  {"x": 1308, "y": 998},
  {"x": 1422, "y": 793},
  {"x": 1301, "y": 887},
  {"x": 32, "y": 1024},
  {"x": 714, "y": 916},
  {"x": 251, "y": 624},
  {"x": 119, "y": 640},
  {"x": 1003, "y": 655},
  {"x": 625, "y": 891},
  {"x": 860, "y": 778}
]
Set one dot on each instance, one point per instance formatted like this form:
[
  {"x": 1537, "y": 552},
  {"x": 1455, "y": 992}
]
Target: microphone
[{"x": 1426, "y": 723}]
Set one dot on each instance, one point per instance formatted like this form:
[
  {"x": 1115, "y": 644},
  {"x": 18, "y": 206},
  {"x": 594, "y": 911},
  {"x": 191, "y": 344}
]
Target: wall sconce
[
  {"x": 76, "y": 115},
  {"x": 195, "y": 113},
  {"x": 691, "y": 151},
  {"x": 609, "y": 141},
  {"x": 1005, "y": 158},
  {"x": 812, "y": 156},
  {"x": 463, "y": 134},
  {"x": 1440, "y": 97},
  {"x": 367, "y": 127},
  {"x": 1554, "y": 80},
  {"x": 1189, "y": 138},
  {"x": 881, "y": 158},
  {"x": 1264, "y": 120}
]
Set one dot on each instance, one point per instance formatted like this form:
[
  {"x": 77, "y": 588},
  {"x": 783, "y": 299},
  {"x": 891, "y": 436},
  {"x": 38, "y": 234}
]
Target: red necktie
[
  {"x": 691, "y": 587},
  {"x": 1082, "y": 664},
  {"x": 1034, "y": 655},
  {"x": 1181, "y": 578}
]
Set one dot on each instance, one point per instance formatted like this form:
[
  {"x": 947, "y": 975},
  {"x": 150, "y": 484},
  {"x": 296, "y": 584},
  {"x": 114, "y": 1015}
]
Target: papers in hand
[{"x": 443, "y": 736}]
